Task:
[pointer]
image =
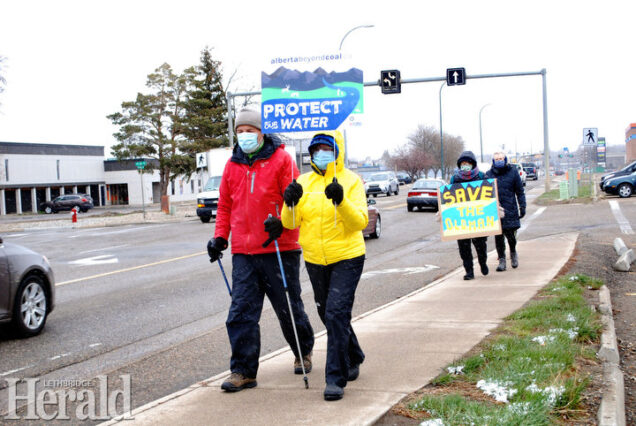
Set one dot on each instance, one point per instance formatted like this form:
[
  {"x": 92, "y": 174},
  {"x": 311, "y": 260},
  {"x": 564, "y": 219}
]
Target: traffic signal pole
[{"x": 542, "y": 73}]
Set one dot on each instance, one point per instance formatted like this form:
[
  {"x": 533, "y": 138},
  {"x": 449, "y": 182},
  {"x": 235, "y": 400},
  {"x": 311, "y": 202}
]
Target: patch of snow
[
  {"x": 551, "y": 392},
  {"x": 542, "y": 340},
  {"x": 455, "y": 370},
  {"x": 432, "y": 422},
  {"x": 521, "y": 408},
  {"x": 497, "y": 390},
  {"x": 570, "y": 318}
]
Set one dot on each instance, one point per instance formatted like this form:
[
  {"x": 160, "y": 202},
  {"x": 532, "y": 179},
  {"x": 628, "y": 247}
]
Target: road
[{"x": 144, "y": 300}]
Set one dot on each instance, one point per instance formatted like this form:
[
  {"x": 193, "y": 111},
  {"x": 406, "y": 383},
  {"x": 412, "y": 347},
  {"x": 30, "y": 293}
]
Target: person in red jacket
[{"x": 250, "y": 196}]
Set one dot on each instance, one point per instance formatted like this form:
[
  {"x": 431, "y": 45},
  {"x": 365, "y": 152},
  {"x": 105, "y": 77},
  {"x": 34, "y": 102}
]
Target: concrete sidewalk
[{"x": 407, "y": 343}]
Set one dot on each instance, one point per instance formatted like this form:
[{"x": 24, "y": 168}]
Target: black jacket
[{"x": 510, "y": 192}]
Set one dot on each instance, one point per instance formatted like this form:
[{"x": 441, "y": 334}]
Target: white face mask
[{"x": 248, "y": 142}]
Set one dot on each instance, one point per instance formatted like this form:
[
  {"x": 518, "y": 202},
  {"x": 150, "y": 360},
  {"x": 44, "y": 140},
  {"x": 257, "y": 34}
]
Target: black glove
[
  {"x": 274, "y": 227},
  {"x": 334, "y": 192},
  {"x": 522, "y": 212},
  {"x": 215, "y": 247},
  {"x": 292, "y": 193}
]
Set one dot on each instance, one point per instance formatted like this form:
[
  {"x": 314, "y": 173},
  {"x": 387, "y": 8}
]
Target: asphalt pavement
[{"x": 407, "y": 343}]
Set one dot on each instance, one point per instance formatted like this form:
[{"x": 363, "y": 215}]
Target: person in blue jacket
[
  {"x": 468, "y": 171},
  {"x": 512, "y": 199}
]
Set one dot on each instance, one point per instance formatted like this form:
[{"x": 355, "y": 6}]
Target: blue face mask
[
  {"x": 322, "y": 158},
  {"x": 499, "y": 163},
  {"x": 248, "y": 142},
  {"x": 465, "y": 167}
]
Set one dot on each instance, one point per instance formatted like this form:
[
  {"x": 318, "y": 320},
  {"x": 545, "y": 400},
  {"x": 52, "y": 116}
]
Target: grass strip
[{"x": 529, "y": 371}]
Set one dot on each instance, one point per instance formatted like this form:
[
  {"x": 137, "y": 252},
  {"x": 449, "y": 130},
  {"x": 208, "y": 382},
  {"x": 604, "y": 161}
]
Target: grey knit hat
[{"x": 249, "y": 117}]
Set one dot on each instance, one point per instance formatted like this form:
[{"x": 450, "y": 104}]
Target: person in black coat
[
  {"x": 512, "y": 199},
  {"x": 468, "y": 171}
]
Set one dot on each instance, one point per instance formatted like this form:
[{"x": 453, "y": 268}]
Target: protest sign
[{"x": 469, "y": 210}]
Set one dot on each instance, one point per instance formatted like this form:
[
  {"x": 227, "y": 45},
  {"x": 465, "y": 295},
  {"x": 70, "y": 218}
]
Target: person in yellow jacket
[{"x": 329, "y": 205}]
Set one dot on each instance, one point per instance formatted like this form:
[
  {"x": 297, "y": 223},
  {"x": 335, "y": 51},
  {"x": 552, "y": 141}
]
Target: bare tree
[{"x": 411, "y": 159}]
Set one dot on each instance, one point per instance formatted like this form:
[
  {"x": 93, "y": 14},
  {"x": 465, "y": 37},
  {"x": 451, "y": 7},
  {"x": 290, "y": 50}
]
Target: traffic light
[{"x": 390, "y": 81}]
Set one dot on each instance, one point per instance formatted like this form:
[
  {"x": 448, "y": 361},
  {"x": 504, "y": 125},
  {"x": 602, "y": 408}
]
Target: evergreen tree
[
  {"x": 151, "y": 125},
  {"x": 204, "y": 120}
]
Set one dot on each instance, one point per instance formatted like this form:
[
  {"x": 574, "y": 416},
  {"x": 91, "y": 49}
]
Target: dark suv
[
  {"x": 531, "y": 170},
  {"x": 67, "y": 202}
]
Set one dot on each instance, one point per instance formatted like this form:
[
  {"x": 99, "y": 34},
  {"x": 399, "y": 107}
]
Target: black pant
[
  {"x": 467, "y": 254},
  {"x": 511, "y": 235},
  {"x": 334, "y": 290},
  {"x": 253, "y": 277}
]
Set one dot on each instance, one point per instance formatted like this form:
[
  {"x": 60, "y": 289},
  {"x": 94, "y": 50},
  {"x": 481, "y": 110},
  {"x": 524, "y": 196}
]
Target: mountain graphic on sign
[{"x": 295, "y": 80}]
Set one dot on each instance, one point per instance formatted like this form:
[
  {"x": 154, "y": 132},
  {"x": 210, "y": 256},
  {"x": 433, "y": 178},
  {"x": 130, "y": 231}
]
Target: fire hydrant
[{"x": 74, "y": 215}]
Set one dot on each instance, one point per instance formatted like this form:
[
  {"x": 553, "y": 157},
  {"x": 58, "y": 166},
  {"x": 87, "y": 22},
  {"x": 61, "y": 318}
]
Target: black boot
[
  {"x": 514, "y": 259},
  {"x": 502, "y": 264},
  {"x": 484, "y": 268},
  {"x": 333, "y": 392},
  {"x": 469, "y": 275}
]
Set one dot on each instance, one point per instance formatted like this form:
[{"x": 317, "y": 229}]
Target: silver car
[
  {"x": 27, "y": 289},
  {"x": 382, "y": 183}
]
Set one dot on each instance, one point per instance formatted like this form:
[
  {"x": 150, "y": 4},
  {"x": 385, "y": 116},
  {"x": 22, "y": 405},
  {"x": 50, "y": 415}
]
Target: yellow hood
[{"x": 337, "y": 136}]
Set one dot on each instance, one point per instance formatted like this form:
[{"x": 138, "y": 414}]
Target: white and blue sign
[{"x": 294, "y": 101}]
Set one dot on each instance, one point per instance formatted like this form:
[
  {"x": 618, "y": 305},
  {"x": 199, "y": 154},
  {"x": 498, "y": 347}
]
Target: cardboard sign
[{"x": 469, "y": 210}]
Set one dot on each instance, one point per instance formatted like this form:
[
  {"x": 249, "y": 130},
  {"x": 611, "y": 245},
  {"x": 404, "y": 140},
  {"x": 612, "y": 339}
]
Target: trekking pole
[
  {"x": 224, "y": 277},
  {"x": 291, "y": 312}
]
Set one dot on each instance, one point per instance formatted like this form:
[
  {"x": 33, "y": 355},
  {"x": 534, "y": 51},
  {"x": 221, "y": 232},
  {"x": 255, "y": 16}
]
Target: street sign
[
  {"x": 202, "y": 160},
  {"x": 390, "y": 81},
  {"x": 590, "y": 136},
  {"x": 455, "y": 76},
  {"x": 600, "y": 152},
  {"x": 140, "y": 165}
]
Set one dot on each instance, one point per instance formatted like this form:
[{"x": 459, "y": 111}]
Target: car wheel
[
  {"x": 397, "y": 190},
  {"x": 375, "y": 195},
  {"x": 378, "y": 228},
  {"x": 48, "y": 210},
  {"x": 625, "y": 190},
  {"x": 30, "y": 308},
  {"x": 388, "y": 191},
  {"x": 409, "y": 208},
  {"x": 205, "y": 219}
]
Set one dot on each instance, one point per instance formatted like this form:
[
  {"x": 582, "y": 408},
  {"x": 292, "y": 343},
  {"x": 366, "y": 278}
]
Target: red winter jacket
[{"x": 252, "y": 189}]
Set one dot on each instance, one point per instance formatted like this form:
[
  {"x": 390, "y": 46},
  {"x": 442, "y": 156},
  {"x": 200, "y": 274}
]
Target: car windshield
[
  {"x": 427, "y": 184},
  {"x": 378, "y": 177},
  {"x": 213, "y": 184}
]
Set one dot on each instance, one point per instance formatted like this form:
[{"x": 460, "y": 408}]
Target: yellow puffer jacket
[{"x": 327, "y": 237}]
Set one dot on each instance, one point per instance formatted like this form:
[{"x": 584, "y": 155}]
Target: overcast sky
[{"x": 71, "y": 63}]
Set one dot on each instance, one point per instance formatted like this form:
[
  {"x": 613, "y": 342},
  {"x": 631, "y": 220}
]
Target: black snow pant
[
  {"x": 334, "y": 291},
  {"x": 467, "y": 254},
  {"x": 253, "y": 277},
  {"x": 509, "y": 234}
]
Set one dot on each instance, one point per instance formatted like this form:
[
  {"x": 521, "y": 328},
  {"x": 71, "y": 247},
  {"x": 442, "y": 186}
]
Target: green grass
[
  {"x": 554, "y": 195},
  {"x": 539, "y": 377}
]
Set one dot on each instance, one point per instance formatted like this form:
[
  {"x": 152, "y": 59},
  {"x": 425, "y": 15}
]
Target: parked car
[
  {"x": 559, "y": 173},
  {"x": 374, "y": 228},
  {"x": 623, "y": 186},
  {"x": 522, "y": 173},
  {"x": 423, "y": 194},
  {"x": 27, "y": 289},
  {"x": 531, "y": 170},
  {"x": 623, "y": 171},
  {"x": 67, "y": 202},
  {"x": 403, "y": 178},
  {"x": 382, "y": 183}
]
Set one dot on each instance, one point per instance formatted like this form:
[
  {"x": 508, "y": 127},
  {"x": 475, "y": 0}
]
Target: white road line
[
  {"x": 623, "y": 223},
  {"x": 6, "y": 373},
  {"x": 529, "y": 220},
  {"x": 103, "y": 249},
  {"x": 53, "y": 358}
]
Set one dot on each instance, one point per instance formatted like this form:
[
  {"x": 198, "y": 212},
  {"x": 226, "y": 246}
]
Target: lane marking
[
  {"x": 102, "y": 259},
  {"x": 405, "y": 271},
  {"x": 396, "y": 206},
  {"x": 103, "y": 249},
  {"x": 528, "y": 221},
  {"x": 622, "y": 221},
  {"x": 6, "y": 373},
  {"x": 105, "y": 274}
]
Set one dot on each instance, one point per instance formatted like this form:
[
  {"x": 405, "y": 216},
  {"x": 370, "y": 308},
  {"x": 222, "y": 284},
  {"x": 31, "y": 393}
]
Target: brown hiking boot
[
  {"x": 306, "y": 362},
  {"x": 237, "y": 382}
]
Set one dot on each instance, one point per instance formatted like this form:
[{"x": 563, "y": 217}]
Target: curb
[{"x": 612, "y": 409}]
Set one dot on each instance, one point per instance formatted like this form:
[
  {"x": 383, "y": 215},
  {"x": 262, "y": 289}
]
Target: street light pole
[
  {"x": 344, "y": 130},
  {"x": 441, "y": 133},
  {"x": 481, "y": 143}
]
